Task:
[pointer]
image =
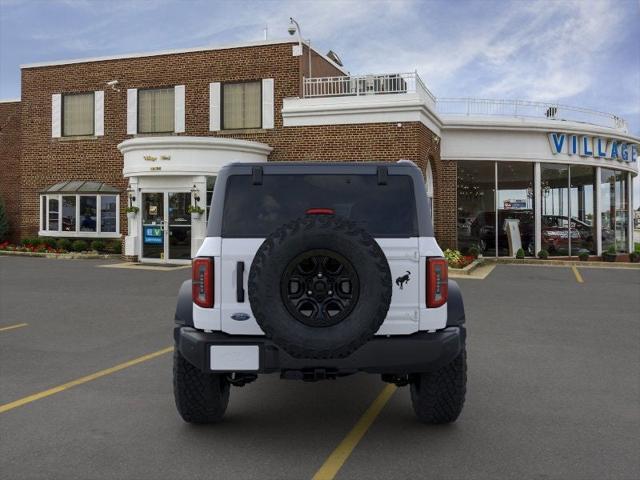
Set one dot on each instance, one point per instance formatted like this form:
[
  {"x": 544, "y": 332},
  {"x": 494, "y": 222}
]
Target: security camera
[
  {"x": 291, "y": 29},
  {"x": 113, "y": 84}
]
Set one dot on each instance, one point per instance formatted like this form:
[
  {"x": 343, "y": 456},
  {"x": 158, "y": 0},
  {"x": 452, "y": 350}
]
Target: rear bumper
[{"x": 401, "y": 354}]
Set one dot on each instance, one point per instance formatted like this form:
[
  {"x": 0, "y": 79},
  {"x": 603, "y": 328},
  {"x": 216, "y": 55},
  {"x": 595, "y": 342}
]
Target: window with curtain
[
  {"x": 241, "y": 105},
  {"x": 77, "y": 114},
  {"x": 156, "y": 110}
]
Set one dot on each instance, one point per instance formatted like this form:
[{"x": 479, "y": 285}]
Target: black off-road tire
[
  {"x": 200, "y": 397},
  {"x": 327, "y": 233},
  {"x": 438, "y": 397}
]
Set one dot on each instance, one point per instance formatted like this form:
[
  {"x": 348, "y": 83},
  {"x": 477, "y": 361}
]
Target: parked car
[{"x": 555, "y": 234}]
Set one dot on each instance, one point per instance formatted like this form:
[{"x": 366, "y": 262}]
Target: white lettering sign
[{"x": 597, "y": 147}]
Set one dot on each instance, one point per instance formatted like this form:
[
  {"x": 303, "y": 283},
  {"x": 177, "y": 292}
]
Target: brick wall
[
  {"x": 10, "y": 164},
  {"x": 444, "y": 188},
  {"x": 46, "y": 161}
]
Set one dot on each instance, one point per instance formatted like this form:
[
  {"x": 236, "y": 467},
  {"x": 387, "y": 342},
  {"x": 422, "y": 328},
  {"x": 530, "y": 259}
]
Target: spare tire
[{"x": 320, "y": 287}]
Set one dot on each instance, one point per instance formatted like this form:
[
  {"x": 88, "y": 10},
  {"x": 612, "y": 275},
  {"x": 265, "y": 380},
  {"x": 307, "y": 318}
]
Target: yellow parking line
[
  {"x": 74, "y": 383},
  {"x": 334, "y": 463},
  {"x": 11, "y": 327},
  {"x": 577, "y": 274}
]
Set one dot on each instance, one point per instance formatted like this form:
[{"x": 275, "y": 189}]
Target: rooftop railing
[
  {"x": 357, "y": 85},
  {"x": 402, "y": 83},
  {"x": 528, "y": 109}
]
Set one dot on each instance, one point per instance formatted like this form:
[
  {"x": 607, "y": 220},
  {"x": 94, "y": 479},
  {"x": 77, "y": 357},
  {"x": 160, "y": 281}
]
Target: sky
[{"x": 584, "y": 53}]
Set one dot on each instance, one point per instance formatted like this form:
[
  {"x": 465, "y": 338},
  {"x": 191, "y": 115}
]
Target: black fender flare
[
  {"x": 184, "y": 307},
  {"x": 455, "y": 305}
]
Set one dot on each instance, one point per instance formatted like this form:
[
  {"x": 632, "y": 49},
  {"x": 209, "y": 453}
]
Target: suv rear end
[{"x": 318, "y": 271}]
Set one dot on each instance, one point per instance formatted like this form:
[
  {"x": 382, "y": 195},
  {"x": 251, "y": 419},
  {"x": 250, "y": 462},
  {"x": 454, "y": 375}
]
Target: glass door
[
  {"x": 179, "y": 244},
  {"x": 153, "y": 215},
  {"x": 166, "y": 226}
]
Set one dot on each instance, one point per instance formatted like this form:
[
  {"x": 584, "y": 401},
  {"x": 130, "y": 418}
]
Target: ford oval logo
[{"x": 241, "y": 317}]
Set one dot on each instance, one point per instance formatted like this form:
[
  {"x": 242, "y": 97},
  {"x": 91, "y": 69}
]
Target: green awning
[{"x": 81, "y": 186}]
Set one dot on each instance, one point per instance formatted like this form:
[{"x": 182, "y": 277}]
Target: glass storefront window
[
  {"x": 69, "y": 213},
  {"x": 88, "y": 213},
  {"x": 622, "y": 211},
  {"x": 108, "y": 213},
  {"x": 614, "y": 209},
  {"x": 608, "y": 207},
  {"x": 554, "y": 221},
  {"x": 581, "y": 203},
  {"x": 492, "y": 196},
  {"x": 476, "y": 206},
  {"x": 516, "y": 221}
]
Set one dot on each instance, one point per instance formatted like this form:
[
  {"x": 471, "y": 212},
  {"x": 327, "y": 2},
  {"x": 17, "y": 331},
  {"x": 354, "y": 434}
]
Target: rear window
[{"x": 257, "y": 210}]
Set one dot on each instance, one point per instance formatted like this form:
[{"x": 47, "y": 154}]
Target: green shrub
[
  {"x": 97, "y": 245},
  {"x": 4, "y": 222},
  {"x": 28, "y": 241},
  {"x": 634, "y": 257},
  {"x": 520, "y": 253},
  {"x": 115, "y": 247},
  {"x": 64, "y": 244},
  {"x": 79, "y": 246},
  {"x": 611, "y": 249},
  {"x": 543, "y": 254},
  {"x": 474, "y": 251},
  {"x": 583, "y": 255}
]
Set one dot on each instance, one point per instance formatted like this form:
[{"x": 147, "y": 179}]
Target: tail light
[
  {"x": 320, "y": 211},
  {"x": 437, "y": 282},
  {"x": 202, "y": 282}
]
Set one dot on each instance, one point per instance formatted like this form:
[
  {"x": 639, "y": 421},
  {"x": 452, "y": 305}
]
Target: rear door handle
[{"x": 240, "y": 282}]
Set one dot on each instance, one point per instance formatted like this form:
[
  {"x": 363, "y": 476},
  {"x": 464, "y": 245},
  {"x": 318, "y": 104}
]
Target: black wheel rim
[{"x": 320, "y": 288}]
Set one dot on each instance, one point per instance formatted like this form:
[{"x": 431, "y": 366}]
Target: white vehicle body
[{"x": 407, "y": 314}]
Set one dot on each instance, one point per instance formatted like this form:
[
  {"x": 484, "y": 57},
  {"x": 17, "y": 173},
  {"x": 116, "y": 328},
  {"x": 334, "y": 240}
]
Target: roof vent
[{"x": 333, "y": 56}]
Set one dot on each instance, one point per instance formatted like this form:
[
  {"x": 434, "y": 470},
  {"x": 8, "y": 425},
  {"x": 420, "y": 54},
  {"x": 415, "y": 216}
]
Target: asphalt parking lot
[{"x": 553, "y": 389}]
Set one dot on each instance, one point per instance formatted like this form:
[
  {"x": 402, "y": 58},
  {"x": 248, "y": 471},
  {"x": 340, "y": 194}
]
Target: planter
[
  {"x": 195, "y": 216},
  {"x": 131, "y": 216},
  {"x": 609, "y": 257},
  {"x": 634, "y": 257}
]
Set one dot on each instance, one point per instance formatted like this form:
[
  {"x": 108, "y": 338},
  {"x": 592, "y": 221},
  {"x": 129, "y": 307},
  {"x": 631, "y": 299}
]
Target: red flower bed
[
  {"x": 37, "y": 248},
  {"x": 466, "y": 260}
]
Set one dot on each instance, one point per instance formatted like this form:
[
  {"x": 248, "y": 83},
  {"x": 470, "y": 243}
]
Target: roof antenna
[{"x": 266, "y": 32}]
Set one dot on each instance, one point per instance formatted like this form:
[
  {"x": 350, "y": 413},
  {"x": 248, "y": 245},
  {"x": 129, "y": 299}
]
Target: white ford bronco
[{"x": 317, "y": 271}]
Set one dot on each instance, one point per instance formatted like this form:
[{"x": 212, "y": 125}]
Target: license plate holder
[{"x": 234, "y": 358}]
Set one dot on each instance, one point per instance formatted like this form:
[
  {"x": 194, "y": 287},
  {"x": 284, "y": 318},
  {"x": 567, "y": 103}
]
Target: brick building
[{"x": 91, "y": 138}]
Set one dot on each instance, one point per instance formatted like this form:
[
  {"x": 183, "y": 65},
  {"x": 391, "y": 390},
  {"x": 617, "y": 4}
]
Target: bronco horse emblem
[{"x": 400, "y": 281}]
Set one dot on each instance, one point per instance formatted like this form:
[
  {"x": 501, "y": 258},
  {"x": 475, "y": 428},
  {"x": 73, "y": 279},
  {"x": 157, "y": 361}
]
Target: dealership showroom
[{"x": 503, "y": 175}]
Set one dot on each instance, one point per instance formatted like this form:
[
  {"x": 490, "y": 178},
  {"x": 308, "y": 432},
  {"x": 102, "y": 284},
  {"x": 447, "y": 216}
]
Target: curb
[{"x": 564, "y": 263}]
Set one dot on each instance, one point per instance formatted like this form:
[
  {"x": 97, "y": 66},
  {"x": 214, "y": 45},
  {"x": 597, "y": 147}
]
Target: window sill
[
  {"x": 155, "y": 134},
  {"x": 47, "y": 233},
  {"x": 242, "y": 131},
  {"x": 78, "y": 138}
]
